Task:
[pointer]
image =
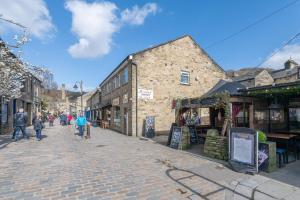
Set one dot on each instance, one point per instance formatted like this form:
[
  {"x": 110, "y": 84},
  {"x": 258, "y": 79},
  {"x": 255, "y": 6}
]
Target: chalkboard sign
[
  {"x": 149, "y": 132},
  {"x": 170, "y": 133},
  {"x": 176, "y": 137},
  {"x": 193, "y": 135}
]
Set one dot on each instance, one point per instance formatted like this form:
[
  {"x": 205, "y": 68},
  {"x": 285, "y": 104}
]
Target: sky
[{"x": 86, "y": 39}]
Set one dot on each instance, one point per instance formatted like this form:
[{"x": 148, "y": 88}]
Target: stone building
[
  {"x": 146, "y": 83},
  {"x": 93, "y": 111},
  {"x": 30, "y": 100},
  {"x": 253, "y": 77}
]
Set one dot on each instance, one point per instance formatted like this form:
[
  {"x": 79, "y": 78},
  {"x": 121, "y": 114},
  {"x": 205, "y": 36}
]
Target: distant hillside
[{"x": 248, "y": 71}]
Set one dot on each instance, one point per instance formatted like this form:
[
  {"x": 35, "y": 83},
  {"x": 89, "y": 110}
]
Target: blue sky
[{"x": 150, "y": 23}]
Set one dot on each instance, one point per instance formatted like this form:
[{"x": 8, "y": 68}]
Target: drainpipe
[{"x": 136, "y": 95}]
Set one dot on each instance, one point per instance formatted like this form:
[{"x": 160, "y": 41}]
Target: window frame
[{"x": 183, "y": 72}]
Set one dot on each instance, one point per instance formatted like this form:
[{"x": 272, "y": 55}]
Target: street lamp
[{"x": 81, "y": 92}]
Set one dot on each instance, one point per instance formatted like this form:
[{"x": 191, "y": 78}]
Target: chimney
[
  {"x": 63, "y": 92},
  {"x": 290, "y": 64}
]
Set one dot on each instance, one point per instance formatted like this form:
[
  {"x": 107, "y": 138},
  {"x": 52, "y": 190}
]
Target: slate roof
[
  {"x": 250, "y": 75},
  {"x": 284, "y": 72},
  {"x": 225, "y": 86}
]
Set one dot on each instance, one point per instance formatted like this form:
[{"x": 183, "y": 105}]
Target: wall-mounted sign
[
  {"x": 116, "y": 101},
  {"x": 125, "y": 98},
  {"x": 145, "y": 94}
]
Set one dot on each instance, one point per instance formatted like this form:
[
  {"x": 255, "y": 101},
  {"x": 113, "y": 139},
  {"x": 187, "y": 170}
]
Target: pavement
[{"x": 114, "y": 166}]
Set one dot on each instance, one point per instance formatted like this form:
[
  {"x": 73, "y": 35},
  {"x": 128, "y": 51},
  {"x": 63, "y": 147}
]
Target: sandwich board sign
[
  {"x": 243, "y": 150},
  {"x": 176, "y": 137}
]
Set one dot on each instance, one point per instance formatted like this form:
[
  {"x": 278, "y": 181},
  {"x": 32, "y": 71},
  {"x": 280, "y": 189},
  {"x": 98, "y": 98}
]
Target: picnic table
[{"x": 286, "y": 138}]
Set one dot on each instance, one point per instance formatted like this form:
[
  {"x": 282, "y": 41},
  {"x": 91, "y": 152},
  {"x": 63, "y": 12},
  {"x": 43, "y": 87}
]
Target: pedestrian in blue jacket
[{"x": 81, "y": 123}]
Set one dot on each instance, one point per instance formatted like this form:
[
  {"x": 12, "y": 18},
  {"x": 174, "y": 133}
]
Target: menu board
[
  {"x": 176, "y": 137},
  {"x": 243, "y": 150}
]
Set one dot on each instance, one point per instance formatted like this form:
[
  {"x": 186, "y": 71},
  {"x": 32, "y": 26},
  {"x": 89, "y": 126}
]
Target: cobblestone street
[{"x": 113, "y": 166}]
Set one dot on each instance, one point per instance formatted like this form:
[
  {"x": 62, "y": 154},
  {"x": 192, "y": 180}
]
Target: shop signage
[
  {"x": 243, "y": 149},
  {"x": 176, "y": 137},
  {"x": 125, "y": 98},
  {"x": 149, "y": 132},
  {"x": 145, "y": 94},
  {"x": 263, "y": 156},
  {"x": 116, "y": 101},
  {"x": 171, "y": 132}
]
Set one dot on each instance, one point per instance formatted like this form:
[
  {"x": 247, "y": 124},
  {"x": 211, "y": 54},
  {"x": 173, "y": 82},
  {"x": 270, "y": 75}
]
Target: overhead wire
[{"x": 251, "y": 25}]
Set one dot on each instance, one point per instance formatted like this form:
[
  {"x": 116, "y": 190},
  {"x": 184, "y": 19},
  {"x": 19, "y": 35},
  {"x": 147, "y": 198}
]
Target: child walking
[{"x": 38, "y": 125}]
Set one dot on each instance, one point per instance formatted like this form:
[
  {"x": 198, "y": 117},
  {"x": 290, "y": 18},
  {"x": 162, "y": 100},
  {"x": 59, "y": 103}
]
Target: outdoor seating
[{"x": 282, "y": 156}]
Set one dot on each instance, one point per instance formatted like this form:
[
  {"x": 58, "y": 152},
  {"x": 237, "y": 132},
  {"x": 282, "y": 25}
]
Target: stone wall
[
  {"x": 287, "y": 79},
  {"x": 263, "y": 78},
  {"x": 159, "y": 70}
]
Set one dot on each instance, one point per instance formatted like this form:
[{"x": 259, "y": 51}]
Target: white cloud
[
  {"x": 290, "y": 51},
  {"x": 95, "y": 24},
  {"x": 33, "y": 14},
  {"x": 137, "y": 15}
]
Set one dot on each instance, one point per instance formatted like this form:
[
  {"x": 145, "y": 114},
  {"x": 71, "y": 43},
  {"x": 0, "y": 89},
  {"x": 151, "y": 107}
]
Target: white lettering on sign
[
  {"x": 145, "y": 94},
  {"x": 116, "y": 101}
]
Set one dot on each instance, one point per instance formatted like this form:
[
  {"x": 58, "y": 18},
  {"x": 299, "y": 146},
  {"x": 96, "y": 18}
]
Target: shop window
[
  {"x": 117, "y": 117},
  {"x": 185, "y": 77},
  {"x": 294, "y": 118}
]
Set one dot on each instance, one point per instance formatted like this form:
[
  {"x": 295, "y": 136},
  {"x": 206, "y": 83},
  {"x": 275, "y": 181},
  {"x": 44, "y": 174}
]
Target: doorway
[{"x": 125, "y": 122}]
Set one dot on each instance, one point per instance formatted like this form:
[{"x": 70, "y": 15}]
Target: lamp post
[{"x": 81, "y": 92}]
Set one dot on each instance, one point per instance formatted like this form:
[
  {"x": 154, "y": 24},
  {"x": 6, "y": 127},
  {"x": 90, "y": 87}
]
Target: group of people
[
  {"x": 38, "y": 121},
  {"x": 65, "y": 119},
  {"x": 80, "y": 122},
  {"x": 20, "y": 124},
  {"x": 186, "y": 119}
]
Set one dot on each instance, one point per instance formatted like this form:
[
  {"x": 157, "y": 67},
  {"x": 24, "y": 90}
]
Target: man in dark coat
[{"x": 20, "y": 123}]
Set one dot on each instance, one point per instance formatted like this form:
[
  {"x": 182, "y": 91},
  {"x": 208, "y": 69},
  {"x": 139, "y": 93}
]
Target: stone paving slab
[{"x": 114, "y": 166}]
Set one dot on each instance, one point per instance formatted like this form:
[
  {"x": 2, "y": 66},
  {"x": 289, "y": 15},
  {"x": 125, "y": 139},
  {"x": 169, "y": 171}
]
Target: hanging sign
[
  {"x": 176, "y": 137},
  {"x": 116, "y": 101},
  {"x": 243, "y": 147},
  {"x": 125, "y": 98},
  {"x": 145, "y": 94}
]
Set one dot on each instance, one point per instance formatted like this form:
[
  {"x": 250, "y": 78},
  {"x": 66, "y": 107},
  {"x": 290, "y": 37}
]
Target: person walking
[
  {"x": 20, "y": 123},
  {"x": 38, "y": 125},
  {"x": 70, "y": 117},
  {"x": 51, "y": 119},
  {"x": 81, "y": 123}
]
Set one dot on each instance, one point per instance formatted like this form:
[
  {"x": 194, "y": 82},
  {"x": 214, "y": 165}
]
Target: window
[
  {"x": 126, "y": 75},
  {"x": 298, "y": 72},
  {"x": 185, "y": 77},
  {"x": 4, "y": 112}
]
